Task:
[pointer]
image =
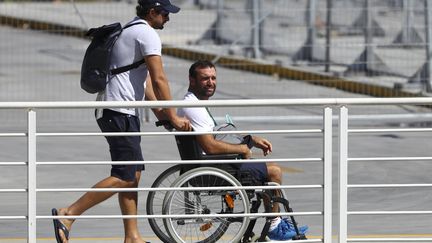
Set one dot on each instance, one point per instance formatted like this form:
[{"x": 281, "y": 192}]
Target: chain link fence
[{"x": 367, "y": 47}]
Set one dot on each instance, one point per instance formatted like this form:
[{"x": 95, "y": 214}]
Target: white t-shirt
[
  {"x": 200, "y": 119},
  {"x": 133, "y": 45}
]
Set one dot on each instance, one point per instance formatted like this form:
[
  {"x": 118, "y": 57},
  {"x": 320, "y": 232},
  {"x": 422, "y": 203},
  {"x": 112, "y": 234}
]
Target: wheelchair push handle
[{"x": 166, "y": 123}]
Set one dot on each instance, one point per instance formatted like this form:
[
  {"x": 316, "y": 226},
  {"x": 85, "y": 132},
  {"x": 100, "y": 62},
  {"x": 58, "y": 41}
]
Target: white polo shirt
[{"x": 133, "y": 45}]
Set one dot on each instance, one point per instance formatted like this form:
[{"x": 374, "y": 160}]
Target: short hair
[
  {"x": 142, "y": 9},
  {"x": 200, "y": 64}
]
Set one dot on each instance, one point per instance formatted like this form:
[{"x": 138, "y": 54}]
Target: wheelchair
[{"x": 212, "y": 214}]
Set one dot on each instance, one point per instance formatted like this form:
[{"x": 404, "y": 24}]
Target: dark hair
[
  {"x": 200, "y": 64},
  {"x": 142, "y": 9}
]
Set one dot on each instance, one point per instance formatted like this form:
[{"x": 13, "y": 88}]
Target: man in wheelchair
[{"x": 202, "y": 86}]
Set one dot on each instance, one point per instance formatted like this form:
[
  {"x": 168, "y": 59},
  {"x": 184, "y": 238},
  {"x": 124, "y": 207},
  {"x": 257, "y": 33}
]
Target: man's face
[
  {"x": 160, "y": 17},
  {"x": 204, "y": 83}
]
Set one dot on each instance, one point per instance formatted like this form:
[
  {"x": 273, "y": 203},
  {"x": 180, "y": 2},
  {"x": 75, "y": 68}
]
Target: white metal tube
[
  {"x": 12, "y": 163},
  {"x": 14, "y": 190},
  {"x": 390, "y": 240},
  {"x": 388, "y": 185},
  {"x": 343, "y": 174},
  {"x": 391, "y": 159},
  {"x": 177, "y": 188},
  {"x": 31, "y": 177},
  {"x": 184, "y": 162},
  {"x": 217, "y": 103},
  {"x": 389, "y": 212},
  {"x": 146, "y": 216},
  {"x": 390, "y": 130},
  {"x": 12, "y": 217},
  {"x": 114, "y": 134},
  {"x": 13, "y": 135},
  {"x": 328, "y": 174}
]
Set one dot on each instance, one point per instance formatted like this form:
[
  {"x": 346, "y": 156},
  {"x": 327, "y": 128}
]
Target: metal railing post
[
  {"x": 328, "y": 140},
  {"x": 343, "y": 174},
  {"x": 31, "y": 176}
]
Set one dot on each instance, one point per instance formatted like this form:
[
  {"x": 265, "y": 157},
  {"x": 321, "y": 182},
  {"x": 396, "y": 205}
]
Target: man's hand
[
  {"x": 181, "y": 124},
  {"x": 263, "y": 144},
  {"x": 247, "y": 153}
]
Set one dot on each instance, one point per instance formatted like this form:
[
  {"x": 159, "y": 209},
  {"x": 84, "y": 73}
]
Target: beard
[{"x": 207, "y": 93}]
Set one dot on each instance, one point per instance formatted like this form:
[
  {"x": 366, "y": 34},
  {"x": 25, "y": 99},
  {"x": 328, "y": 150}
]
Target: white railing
[
  {"x": 344, "y": 161},
  {"x": 326, "y": 130}
]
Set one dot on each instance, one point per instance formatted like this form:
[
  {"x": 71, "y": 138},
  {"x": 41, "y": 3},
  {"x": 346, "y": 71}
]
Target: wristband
[{"x": 248, "y": 141}]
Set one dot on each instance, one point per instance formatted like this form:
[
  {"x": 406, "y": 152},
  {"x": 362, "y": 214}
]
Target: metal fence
[
  {"x": 373, "y": 47},
  {"x": 344, "y": 159}
]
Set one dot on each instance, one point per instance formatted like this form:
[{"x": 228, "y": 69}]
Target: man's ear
[
  {"x": 152, "y": 12},
  {"x": 192, "y": 81}
]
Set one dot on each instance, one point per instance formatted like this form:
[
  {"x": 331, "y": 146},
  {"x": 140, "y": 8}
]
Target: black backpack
[{"x": 95, "y": 72}]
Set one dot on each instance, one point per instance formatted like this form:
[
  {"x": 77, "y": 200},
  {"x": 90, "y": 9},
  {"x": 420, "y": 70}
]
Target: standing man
[
  {"x": 137, "y": 42},
  {"x": 202, "y": 86}
]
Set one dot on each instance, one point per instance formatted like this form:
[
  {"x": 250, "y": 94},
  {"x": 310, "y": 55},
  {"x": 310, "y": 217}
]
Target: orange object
[
  {"x": 206, "y": 226},
  {"x": 229, "y": 201}
]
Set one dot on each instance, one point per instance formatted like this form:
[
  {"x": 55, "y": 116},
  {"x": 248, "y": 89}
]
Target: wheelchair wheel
[
  {"x": 202, "y": 202},
  {"x": 155, "y": 201}
]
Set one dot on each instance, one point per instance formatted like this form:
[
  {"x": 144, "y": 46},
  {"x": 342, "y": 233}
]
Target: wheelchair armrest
[{"x": 220, "y": 156}]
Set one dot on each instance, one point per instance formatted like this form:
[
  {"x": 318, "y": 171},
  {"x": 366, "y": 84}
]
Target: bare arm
[
  {"x": 149, "y": 95},
  {"x": 212, "y": 146},
  {"x": 161, "y": 91}
]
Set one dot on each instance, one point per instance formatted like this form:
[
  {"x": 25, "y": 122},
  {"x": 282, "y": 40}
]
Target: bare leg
[
  {"x": 128, "y": 205},
  {"x": 91, "y": 199},
  {"x": 275, "y": 175}
]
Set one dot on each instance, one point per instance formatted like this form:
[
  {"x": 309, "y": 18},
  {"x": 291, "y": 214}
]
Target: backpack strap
[
  {"x": 132, "y": 24},
  {"x": 127, "y": 68},
  {"x": 130, "y": 66}
]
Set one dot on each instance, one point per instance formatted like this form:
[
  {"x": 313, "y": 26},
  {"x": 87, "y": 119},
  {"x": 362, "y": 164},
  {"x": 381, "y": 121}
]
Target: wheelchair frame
[{"x": 181, "y": 175}]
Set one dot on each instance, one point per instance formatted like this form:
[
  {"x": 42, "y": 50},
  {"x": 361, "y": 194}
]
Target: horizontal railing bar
[
  {"x": 113, "y": 134},
  {"x": 367, "y": 117},
  {"x": 12, "y": 217},
  {"x": 215, "y": 188},
  {"x": 388, "y": 159},
  {"x": 13, "y": 190},
  {"x": 388, "y": 185},
  {"x": 217, "y": 103},
  {"x": 182, "y": 216},
  {"x": 305, "y": 241},
  {"x": 389, "y": 239},
  {"x": 184, "y": 162},
  {"x": 13, "y": 134},
  {"x": 388, "y": 212},
  {"x": 390, "y": 130},
  {"x": 12, "y": 163}
]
